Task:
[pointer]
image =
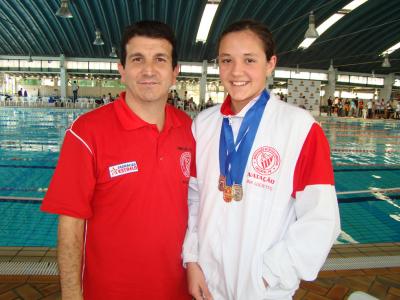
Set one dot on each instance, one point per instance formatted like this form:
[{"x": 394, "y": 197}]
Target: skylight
[
  {"x": 354, "y": 4},
  {"x": 329, "y": 22},
  {"x": 206, "y": 20},
  {"x": 332, "y": 20},
  {"x": 391, "y": 49}
]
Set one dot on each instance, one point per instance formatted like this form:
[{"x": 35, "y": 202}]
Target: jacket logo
[
  {"x": 266, "y": 160},
  {"x": 185, "y": 163},
  {"x": 122, "y": 169}
]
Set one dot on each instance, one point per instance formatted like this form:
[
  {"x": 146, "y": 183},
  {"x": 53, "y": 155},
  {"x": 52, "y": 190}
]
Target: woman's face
[{"x": 243, "y": 66}]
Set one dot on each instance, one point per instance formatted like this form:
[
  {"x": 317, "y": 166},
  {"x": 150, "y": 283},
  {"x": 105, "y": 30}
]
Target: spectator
[
  {"x": 75, "y": 89},
  {"x": 209, "y": 103}
]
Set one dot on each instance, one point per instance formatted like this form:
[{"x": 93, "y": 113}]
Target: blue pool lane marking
[{"x": 27, "y": 167}]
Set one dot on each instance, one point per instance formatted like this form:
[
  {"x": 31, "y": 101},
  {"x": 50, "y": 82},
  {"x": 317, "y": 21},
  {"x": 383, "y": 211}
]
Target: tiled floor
[{"x": 382, "y": 283}]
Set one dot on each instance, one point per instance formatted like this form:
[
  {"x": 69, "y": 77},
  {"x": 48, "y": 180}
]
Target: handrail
[{"x": 373, "y": 190}]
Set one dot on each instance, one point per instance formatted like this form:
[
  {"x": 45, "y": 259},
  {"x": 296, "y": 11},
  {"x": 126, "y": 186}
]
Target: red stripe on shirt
[{"x": 314, "y": 164}]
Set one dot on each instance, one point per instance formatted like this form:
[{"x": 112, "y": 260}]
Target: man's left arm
[{"x": 304, "y": 248}]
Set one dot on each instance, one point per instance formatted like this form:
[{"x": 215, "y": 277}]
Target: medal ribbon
[{"x": 233, "y": 156}]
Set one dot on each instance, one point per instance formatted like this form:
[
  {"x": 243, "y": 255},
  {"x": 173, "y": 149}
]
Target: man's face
[{"x": 148, "y": 72}]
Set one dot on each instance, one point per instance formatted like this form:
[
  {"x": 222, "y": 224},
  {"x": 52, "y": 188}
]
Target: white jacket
[{"x": 285, "y": 225}]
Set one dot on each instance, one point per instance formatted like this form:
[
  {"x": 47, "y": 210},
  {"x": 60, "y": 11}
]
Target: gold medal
[
  {"x": 221, "y": 183},
  {"x": 237, "y": 192},
  {"x": 227, "y": 193}
]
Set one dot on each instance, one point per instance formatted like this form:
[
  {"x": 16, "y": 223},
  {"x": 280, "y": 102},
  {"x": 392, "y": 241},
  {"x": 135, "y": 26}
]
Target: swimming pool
[
  {"x": 365, "y": 155},
  {"x": 29, "y": 146}
]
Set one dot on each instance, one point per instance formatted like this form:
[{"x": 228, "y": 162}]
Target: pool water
[
  {"x": 365, "y": 155},
  {"x": 30, "y": 142}
]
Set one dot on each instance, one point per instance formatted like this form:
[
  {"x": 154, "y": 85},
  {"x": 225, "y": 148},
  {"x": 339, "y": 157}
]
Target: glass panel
[
  {"x": 94, "y": 65},
  {"x": 51, "y": 64},
  {"x": 104, "y": 65},
  {"x": 358, "y": 79},
  {"x": 190, "y": 69},
  {"x": 319, "y": 76},
  {"x": 375, "y": 81},
  {"x": 27, "y": 64},
  {"x": 82, "y": 65},
  {"x": 282, "y": 74},
  {"x": 212, "y": 70},
  {"x": 114, "y": 66},
  {"x": 12, "y": 64},
  {"x": 300, "y": 75},
  {"x": 72, "y": 65},
  {"x": 343, "y": 78}
]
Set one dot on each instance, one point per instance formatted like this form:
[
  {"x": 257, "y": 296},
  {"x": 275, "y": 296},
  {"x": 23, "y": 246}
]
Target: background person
[
  {"x": 75, "y": 89},
  {"x": 263, "y": 207},
  {"x": 121, "y": 183}
]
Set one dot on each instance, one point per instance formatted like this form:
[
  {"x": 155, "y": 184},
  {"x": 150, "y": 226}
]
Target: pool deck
[{"x": 381, "y": 282}]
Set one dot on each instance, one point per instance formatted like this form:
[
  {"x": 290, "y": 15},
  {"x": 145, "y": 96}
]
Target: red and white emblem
[
  {"x": 266, "y": 160},
  {"x": 185, "y": 163}
]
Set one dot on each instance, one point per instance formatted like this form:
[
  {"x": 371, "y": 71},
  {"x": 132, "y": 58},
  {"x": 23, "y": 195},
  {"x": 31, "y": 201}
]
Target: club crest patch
[
  {"x": 185, "y": 163},
  {"x": 266, "y": 160},
  {"x": 122, "y": 169}
]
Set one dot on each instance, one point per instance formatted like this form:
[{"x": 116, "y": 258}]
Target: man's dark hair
[
  {"x": 258, "y": 28},
  {"x": 151, "y": 29}
]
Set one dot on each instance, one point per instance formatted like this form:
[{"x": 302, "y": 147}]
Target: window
[
  {"x": 343, "y": 78},
  {"x": 71, "y": 65},
  {"x": 27, "y": 64},
  {"x": 282, "y": 74},
  {"x": 114, "y": 66},
  {"x": 375, "y": 81},
  {"x": 299, "y": 75},
  {"x": 319, "y": 76},
  {"x": 11, "y": 63},
  {"x": 213, "y": 71},
  {"x": 82, "y": 65},
  {"x": 99, "y": 66},
  {"x": 358, "y": 79},
  {"x": 190, "y": 69},
  {"x": 50, "y": 64}
]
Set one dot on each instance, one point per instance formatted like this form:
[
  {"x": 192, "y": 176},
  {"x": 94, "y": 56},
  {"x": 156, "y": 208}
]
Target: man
[
  {"x": 330, "y": 102},
  {"x": 263, "y": 207},
  {"x": 121, "y": 183},
  {"x": 75, "y": 89}
]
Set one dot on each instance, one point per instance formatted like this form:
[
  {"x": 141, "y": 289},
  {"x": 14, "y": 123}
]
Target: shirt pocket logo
[
  {"x": 185, "y": 163},
  {"x": 122, "y": 169},
  {"x": 266, "y": 160}
]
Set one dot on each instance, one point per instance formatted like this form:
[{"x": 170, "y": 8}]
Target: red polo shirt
[{"x": 130, "y": 182}]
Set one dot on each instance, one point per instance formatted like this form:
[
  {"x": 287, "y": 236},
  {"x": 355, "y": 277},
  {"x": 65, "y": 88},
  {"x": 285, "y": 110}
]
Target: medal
[
  {"x": 234, "y": 153},
  {"x": 227, "y": 193},
  {"x": 237, "y": 192},
  {"x": 221, "y": 183}
]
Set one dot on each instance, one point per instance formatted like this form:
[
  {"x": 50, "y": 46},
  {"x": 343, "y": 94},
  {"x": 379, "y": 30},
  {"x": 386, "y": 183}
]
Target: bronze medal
[
  {"x": 227, "y": 193},
  {"x": 221, "y": 183},
  {"x": 237, "y": 192}
]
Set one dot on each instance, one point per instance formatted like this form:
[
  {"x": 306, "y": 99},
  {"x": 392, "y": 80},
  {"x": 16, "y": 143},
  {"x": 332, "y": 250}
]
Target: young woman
[{"x": 263, "y": 207}]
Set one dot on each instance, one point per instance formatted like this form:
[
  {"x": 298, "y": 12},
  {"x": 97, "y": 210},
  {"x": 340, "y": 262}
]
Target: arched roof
[{"x": 354, "y": 43}]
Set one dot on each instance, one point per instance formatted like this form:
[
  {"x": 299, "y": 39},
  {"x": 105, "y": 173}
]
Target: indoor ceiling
[{"x": 354, "y": 43}]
